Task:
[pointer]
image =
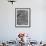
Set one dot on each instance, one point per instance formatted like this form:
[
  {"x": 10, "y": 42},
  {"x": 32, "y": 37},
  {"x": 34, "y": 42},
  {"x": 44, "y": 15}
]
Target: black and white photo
[{"x": 22, "y": 17}]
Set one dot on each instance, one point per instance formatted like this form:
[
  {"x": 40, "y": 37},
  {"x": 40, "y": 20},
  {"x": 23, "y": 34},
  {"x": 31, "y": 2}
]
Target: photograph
[{"x": 22, "y": 17}]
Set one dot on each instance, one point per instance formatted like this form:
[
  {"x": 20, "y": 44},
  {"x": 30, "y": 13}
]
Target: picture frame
[{"x": 22, "y": 17}]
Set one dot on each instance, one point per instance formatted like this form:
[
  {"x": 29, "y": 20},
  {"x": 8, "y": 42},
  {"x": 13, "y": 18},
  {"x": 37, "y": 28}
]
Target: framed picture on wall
[{"x": 22, "y": 17}]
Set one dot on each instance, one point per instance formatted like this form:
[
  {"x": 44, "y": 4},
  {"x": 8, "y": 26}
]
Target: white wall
[{"x": 8, "y": 31}]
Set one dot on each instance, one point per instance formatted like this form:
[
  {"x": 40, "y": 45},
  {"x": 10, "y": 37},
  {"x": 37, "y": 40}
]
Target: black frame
[{"x": 29, "y": 17}]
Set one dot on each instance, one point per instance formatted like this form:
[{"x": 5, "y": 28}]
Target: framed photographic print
[{"x": 22, "y": 17}]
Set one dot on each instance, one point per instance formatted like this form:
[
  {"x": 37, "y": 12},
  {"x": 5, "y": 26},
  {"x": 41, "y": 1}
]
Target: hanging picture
[{"x": 22, "y": 17}]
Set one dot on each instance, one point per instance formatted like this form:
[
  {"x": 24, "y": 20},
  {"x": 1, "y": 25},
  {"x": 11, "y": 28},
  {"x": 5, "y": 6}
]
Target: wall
[{"x": 8, "y": 31}]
